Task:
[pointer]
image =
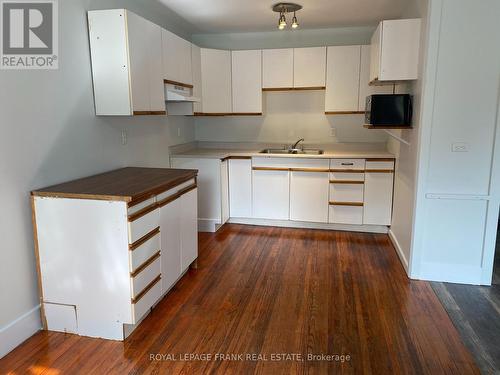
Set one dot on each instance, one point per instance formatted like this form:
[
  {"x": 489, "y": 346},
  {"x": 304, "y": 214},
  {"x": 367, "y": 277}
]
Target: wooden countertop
[{"x": 132, "y": 185}]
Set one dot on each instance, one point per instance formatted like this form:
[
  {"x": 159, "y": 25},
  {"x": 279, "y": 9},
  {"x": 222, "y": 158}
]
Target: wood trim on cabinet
[
  {"x": 381, "y": 127},
  {"x": 309, "y": 170},
  {"x": 211, "y": 114},
  {"x": 379, "y": 171},
  {"x": 144, "y": 239},
  {"x": 348, "y": 182},
  {"x": 149, "y": 113},
  {"x": 347, "y": 170},
  {"x": 236, "y": 157},
  {"x": 270, "y": 169},
  {"x": 96, "y": 197},
  {"x": 293, "y": 88},
  {"x": 380, "y": 159},
  {"x": 143, "y": 212},
  {"x": 245, "y": 114},
  {"x": 344, "y": 112},
  {"x": 355, "y": 204},
  {"x": 177, "y": 195},
  {"x": 187, "y": 85},
  {"x": 37, "y": 258},
  {"x": 145, "y": 265},
  {"x": 146, "y": 289}
]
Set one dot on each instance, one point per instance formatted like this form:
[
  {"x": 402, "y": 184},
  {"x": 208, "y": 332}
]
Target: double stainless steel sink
[{"x": 292, "y": 151}]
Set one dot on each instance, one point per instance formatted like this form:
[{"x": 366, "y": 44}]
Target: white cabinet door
[
  {"x": 224, "y": 188},
  {"x": 110, "y": 64},
  {"x": 247, "y": 81},
  {"x": 342, "y": 79},
  {"x": 378, "y": 198},
  {"x": 271, "y": 194},
  {"x": 189, "y": 228},
  {"x": 156, "y": 86},
  {"x": 396, "y": 46},
  {"x": 176, "y": 58},
  {"x": 309, "y": 67},
  {"x": 240, "y": 187},
  {"x": 277, "y": 68},
  {"x": 170, "y": 234},
  {"x": 139, "y": 55},
  {"x": 309, "y": 196},
  {"x": 364, "y": 80},
  {"x": 197, "y": 86},
  {"x": 216, "y": 80}
]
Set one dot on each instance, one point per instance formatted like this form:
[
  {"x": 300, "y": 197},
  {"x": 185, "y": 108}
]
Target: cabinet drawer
[
  {"x": 166, "y": 194},
  {"x": 141, "y": 225},
  {"x": 140, "y": 206},
  {"x": 380, "y": 165},
  {"x": 145, "y": 274},
  {"x": 340, "y": 192},
  {"x": 346, "y": 164},
  {"x": 287, "y": 163},
  {"x": 142, "y": 304},
  {"x": 346, "y": 214},
  {"x": 347, "y": 176},
  {"x": 145, "y": 250}
]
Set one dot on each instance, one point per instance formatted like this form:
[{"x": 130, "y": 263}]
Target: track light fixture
[{"x": 283, "y": 9}]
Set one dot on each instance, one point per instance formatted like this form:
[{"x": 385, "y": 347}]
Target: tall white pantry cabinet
[{"x": 110, "y": 246}]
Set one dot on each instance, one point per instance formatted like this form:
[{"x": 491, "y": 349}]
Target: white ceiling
[{"x": 222, "y": 16}]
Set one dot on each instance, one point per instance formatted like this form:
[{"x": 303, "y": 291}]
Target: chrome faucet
[{"x": 294, "y": 146}]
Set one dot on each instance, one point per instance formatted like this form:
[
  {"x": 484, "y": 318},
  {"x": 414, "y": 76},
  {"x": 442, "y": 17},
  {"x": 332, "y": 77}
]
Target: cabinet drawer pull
[
  {"x": 143, "y": 239},
  {"x": 348, "y": 170},
  {"x": 348, "y": 182},
  {"x": 144, "y": 265},
  {"x": 309, "y": 170},
  {"x": 270, "y": 169},
  {"x": 142, "y": 212},
  {"x": 146, "y": 289},
  {"x": 347, "y": 163},
  {"x": 358, "y": 204}
]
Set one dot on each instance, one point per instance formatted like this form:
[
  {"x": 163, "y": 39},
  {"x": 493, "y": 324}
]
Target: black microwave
[{"x": 388, "y": 110}]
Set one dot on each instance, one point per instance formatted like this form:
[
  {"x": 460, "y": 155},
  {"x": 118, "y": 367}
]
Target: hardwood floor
[{"x": 266, "y": 291}]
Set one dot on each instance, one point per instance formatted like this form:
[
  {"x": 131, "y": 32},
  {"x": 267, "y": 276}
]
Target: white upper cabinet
[
  {"x": 277, "y": 68},
  {"x": 395, "y": 49},
  {"x": 176, "y": 58},
  {"x": 343, "y": 79},
  {"x": 216, "y": 81},
  {"x": 364, "y": 80},
  {"x": 309, "y": 67},
  {"x": 247, "y": 81},
  {"x": 126, "y": 63},
  {"x": 196, "y": 69}
]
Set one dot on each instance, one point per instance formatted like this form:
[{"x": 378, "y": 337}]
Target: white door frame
[{"x": 490, "y": 234}]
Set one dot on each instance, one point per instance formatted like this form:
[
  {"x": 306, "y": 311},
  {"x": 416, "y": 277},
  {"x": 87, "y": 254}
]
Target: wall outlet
[
  {"x": 178, "y": 132},
  {"x": 459, "y": 147},
  {"x": 124, "y": 137},
  {"x": 333, "y": 132}
]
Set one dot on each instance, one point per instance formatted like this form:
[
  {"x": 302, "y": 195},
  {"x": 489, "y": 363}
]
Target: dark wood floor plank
[{"x": 268, "y": 291}]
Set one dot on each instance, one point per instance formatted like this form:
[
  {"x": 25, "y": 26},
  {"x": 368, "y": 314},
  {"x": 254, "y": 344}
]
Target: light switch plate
[{"x": 460, "y": 147}]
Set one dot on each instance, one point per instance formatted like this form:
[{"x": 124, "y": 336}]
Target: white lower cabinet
[
  {"x": 309, "y": 196},
  {"x": 379, "y": 182},
  {"x": 189, "y": 228},
  {"x": 340, "y": 214},
  {"x": 271, "y": 193},
  {"x": 378, "y": 198},
  {"x": 171, "y": 244},
  {"x": 240, "y": 187}
]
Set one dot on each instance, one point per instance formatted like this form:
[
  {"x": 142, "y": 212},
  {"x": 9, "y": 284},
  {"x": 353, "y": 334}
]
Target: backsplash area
[{"x": 287, "y": 117}]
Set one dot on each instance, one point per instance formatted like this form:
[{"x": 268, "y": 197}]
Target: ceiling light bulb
[
  {"x": 295, "y": 24},
  {"x": 282, "y": 21}
]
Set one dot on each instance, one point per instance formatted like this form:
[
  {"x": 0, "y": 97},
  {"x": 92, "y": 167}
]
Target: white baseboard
[
  {"x": 399, "y": 251},
  {"x": 307, "y": 225},
  {"x": 207, "y": 225},
  {"x": 450, "y": 273},
  {"x": 16, "y": 332}
]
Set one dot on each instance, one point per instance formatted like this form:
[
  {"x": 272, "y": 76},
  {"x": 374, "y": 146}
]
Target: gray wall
[{"x": 50, "y": 135}]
